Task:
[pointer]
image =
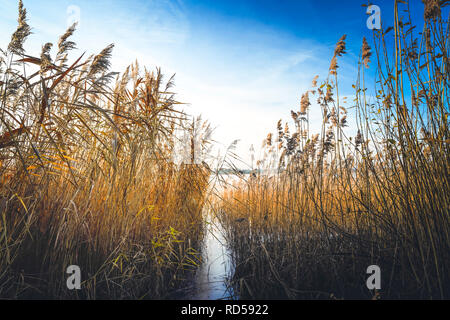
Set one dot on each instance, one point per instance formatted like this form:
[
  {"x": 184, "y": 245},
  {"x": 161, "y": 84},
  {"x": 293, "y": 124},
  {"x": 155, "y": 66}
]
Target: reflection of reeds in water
[
  {"x": 340, "y": 204},
  {"x": 87, "y": 178}
]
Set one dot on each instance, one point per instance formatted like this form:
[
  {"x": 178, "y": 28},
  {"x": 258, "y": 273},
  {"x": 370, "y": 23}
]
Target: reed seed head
[
  {"x": 22, "y": 32},
  {"x": 63, "y": 44},
  {"x": 304, "y": 103},
  {"x": 46, "y": 60},
  {"x": 366, "y": 53},
  {"x": 333, "y": 66},
  {"x": 340, "y": 46},
  {"x": 101, "y": 62},
  {"x": 432, "y": 9},
  {"x": 269, "y": 140},
  {"x": 314, "y": 82}
]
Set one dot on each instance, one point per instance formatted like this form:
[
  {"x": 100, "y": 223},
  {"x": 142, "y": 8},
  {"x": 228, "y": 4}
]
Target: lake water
[{"x": 210, "y": 282}]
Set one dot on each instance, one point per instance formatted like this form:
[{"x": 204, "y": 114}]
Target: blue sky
[{"x": 242, "y": 64}]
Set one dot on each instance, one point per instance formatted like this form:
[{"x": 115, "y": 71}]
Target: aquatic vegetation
[
  {"x": 87, "y": 177},
  {"x": 338, "y": 204}
]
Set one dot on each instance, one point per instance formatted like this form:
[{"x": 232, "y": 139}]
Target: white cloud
[{"x": 243, "y": 83}]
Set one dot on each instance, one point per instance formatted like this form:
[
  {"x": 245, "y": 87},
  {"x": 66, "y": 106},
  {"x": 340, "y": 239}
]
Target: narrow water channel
[{"x": 210, "y": 279}]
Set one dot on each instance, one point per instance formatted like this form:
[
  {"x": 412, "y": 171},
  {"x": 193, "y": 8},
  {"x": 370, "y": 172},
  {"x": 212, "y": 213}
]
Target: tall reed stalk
[
  {"x": 339, "y": 203},
  {"x": 87, "y": 177}
]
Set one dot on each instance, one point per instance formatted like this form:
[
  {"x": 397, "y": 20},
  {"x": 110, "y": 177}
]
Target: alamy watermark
[
  {"x": 374, "y": 21},
  {"x": 374, "y": 281},
  {"x": 74, "y": 280}
]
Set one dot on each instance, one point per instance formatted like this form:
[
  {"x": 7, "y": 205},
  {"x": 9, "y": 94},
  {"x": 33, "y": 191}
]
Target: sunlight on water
[{"x": 210, "y": 280}]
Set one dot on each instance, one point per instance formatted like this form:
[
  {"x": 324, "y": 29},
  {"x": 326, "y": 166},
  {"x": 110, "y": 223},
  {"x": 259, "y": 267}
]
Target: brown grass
[
  {"x": 339, "y": 204},
  {"x": 87, "y": 178}
]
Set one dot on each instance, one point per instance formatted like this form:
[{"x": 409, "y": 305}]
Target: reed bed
[
  {"x": 87, "y": 177},
  {"x": 337, "y": 204}
]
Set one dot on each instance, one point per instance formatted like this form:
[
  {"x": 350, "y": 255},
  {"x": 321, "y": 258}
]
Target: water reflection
[{"x": 210, "y": 279}]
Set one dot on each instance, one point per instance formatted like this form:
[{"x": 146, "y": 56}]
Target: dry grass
[
  {"x": 87, "y": 178},
  {"x": 339, "y": 204}
]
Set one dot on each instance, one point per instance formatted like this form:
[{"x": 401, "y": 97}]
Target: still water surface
[{"x": 210, "y": 282}]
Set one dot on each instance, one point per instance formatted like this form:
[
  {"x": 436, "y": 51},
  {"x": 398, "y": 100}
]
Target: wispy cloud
[{"x": 241, "y": 75}]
